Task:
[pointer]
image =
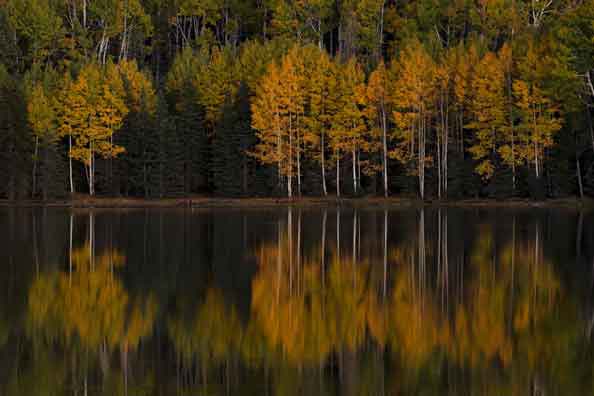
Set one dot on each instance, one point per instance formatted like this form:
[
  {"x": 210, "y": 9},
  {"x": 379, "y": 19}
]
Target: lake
[{"x": 294, "y": 301}]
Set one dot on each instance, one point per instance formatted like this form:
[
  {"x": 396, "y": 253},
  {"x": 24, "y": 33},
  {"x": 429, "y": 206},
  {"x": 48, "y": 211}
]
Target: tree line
[{"x": 315, "y": 97}]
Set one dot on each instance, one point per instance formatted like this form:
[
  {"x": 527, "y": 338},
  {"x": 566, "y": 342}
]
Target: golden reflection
[
  {"x": 416, "y": 300},
  {"x": 212, "y": 332},
  {"x": 311, "y": 308},
  {"x": 90, "y": 304}
]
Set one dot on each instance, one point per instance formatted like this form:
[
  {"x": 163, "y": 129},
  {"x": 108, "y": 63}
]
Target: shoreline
[{"x": 86, "y": 202}]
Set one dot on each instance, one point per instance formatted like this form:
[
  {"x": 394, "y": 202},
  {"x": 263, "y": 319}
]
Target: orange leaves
[
  {"x": 91, "y": 110},
  {"x": 90, "y": 304},
  {"x": 413, "y": 96},
  {"x": 489, "y": 110}
]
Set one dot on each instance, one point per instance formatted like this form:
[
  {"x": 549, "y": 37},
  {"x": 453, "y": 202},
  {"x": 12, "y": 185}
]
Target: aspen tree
[
  {"x": 539, "y": 115},
  {"x": 90, "y": 113},
  {"x": 508, "y": 148},
  {"x": 413, "y": 96},
  {"x": 465, "y": 61},
  {"x": 489, "y": 113},
  {"x": 267, "y": 121},
  {"x": 42, "y": 118},
  {"x": 348, "y": 124},
  {"x": 377, "y": 111},
  {"x": 292, "y": 102},
  {"x": 539, "y": 123},
  {"x": 321, "y": 98}
]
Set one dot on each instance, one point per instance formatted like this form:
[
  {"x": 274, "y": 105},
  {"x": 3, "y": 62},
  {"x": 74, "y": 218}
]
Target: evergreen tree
[{"x": 232, "y": 166}]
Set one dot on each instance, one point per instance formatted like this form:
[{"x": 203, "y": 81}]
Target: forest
[{"x": 431, "y": 99}]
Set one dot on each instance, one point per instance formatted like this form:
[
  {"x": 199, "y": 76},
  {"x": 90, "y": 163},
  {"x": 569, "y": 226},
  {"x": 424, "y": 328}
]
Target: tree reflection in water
[{"x": 346, "y": 301}]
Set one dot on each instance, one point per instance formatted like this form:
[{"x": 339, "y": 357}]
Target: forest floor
[{"x": 85, "y": 201}]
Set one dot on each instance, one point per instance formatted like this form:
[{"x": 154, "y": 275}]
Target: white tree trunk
[
  {"x": 70, "y": 164},
  {"x": 355, "y": 172},
  {"x": 324, "y": 188},
  {"x": 337, "y": 176},
  {"x": 385, "y": 152}
]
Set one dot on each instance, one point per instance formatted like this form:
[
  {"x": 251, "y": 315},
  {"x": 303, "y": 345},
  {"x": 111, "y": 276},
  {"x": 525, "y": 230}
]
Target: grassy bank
[{"x": 85, "y": 201}]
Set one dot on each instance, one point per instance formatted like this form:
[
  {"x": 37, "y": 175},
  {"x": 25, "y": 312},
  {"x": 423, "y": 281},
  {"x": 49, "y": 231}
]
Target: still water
[{"x": 291, "y": 301}]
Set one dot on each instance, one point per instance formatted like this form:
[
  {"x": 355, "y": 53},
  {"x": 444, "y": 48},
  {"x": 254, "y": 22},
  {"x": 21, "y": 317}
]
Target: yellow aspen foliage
[
  {"x": 376, "y": 112},
  {"x": 41, "y": 118},
  {"x": 462, "y": 63},
  {"x": 413, "y": 96},
  {"x": 215, "y": 80},
  {"x": 134, "y": 86},
  {"x": 489, "y": 112},
  {"x": 508, "y": 145},
  {"x": 254, "y": 59},
  {"x": 539, "y": 123},
  {"x": 277, "y": 116},
  {"x": 266, "y": 118},
  {"x": 539, "y": 116},
  {"x": 90, "y": 112},
  {"x": 40, "y": 113},
  {"x": 320, "y": 81},
  {"x": 349, "y": 130}
]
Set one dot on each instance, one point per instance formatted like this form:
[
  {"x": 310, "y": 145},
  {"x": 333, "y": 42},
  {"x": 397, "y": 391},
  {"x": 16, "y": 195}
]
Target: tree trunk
[
  {"x": 385, "y": 278},
  {"x": 298, "y": 166},
  {"x": 91, "y": 172},
  {"x": 289, "y": 187},
  {"x": 290, "y": 173},
  {"x": 84, "y": 14},
  {"x": 34, "y": 175},
  {"x": 337, "y": 176},
  {"x": 354, "y": 172},
  {"x": 324, "y": 188},
  {"x": 439, "y": 168},
  {"x": 579, "y": 175},
  {"x": 70, "y": 163},
  {"x": 385, "y": 152},
  {"x": 245, "y": 175}
]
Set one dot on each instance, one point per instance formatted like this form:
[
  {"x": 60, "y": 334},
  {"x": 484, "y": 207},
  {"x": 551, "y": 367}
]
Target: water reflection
[{"x": 294, "y": 301}]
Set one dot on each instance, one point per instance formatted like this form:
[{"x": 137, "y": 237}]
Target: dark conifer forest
[{"x": 434, "y": 99}]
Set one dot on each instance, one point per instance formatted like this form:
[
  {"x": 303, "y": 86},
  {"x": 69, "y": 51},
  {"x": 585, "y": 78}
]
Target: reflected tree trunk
[
  {"x": 35, "y": 247},
  {"x": 299, "y": 280},
  {"x": 385, "y": 245},
  {"x": 290, "y": 244},
  {"x": 323, "y": 252},
  {"x": 70, "y": 246},
  {"x": 338, "y": 234},
  {"x": 279, "y": 260},
  {"x": 422, "y": 250},
  {"x": 513, "y": 275},
  {"x": 91, "y": 240}
]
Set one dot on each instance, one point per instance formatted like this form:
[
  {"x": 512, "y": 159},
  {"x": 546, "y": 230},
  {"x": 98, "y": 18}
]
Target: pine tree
[
  {"x": 14, "y": 140},
  {"x": 188, "y": 117},
  {"x": 139, "y": 131},
  {"x": 233, "y": 139}
]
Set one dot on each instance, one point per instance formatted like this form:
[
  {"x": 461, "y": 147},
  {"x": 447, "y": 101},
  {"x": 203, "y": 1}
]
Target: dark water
[{"x": 296, "y": 302}]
